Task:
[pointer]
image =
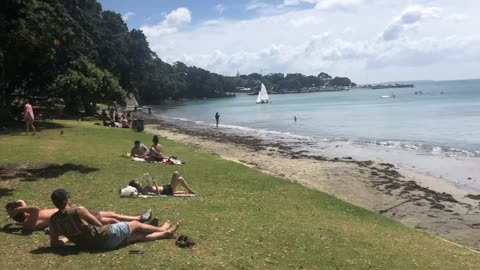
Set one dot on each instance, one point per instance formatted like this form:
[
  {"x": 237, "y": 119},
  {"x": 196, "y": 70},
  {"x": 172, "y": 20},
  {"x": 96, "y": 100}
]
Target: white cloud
[
  {"x": 427, "y": 51},
  {"x": 178, "y": 16},
  {"x": 220, "y": 8},
  {"x": 345, "y": 5},
  {"x": 409, "y": 19},
  {"x": 339, "y": 43},
  {"x": 128, "y": 15},
  {"x": 170, "y": 24},
  {"x": 255, "y": 5}
]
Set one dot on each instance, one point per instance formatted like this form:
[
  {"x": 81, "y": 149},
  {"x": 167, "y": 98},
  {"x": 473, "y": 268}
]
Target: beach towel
[
  {"x": 166, "y": 161},
  {"x": 178, "y": 195}
]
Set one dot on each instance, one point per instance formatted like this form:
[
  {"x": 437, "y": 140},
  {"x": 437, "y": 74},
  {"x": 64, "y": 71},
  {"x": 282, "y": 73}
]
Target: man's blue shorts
[{"x": 118, "y": 237}]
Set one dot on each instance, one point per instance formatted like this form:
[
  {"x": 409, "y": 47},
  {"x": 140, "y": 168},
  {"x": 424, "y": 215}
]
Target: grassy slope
[{"x": 242, "y": 219}]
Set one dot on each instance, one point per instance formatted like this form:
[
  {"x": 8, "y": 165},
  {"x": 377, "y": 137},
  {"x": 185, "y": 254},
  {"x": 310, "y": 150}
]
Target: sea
[{"x": 434, "y": 133}]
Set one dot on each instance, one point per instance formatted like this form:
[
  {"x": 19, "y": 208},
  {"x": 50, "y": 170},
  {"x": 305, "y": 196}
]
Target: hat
[{"x": 59, "y": 196}]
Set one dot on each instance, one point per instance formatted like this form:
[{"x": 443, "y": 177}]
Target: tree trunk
[
  {"x": 88, "y": 105},
  {"x": 5, "y": 113},
  {"x": 70, "y": 105}
]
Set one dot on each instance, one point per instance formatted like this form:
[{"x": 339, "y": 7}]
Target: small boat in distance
[
  {"x": 262, "y": 95},
  {"x": 392, "y": 96}
]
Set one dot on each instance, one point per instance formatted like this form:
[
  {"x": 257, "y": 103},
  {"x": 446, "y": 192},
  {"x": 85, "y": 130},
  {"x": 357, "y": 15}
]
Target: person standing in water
[
  {"x": 29, "y": 117},
  {"x": 217, "y": 118},
  {"x": 295, "y": 118}
]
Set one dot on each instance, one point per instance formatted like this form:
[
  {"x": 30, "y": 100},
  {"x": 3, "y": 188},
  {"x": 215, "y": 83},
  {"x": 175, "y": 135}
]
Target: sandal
[{"x": 184, "y": 241}]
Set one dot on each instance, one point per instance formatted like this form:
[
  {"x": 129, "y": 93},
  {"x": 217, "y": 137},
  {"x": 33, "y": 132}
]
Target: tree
[
  {"x": 88, "y": 84},
  {"x": 340, "y": 81}
]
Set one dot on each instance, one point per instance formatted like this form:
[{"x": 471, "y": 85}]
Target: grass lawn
[{"x": 241, "y": 219}]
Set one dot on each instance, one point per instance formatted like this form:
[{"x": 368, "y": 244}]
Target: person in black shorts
[
  {"x": 170, "y": 189},
  {"x": 76, "y": 224}
]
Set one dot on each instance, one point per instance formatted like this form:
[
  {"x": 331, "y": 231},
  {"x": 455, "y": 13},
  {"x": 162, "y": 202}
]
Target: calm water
[{"x": 424, "y": 132}]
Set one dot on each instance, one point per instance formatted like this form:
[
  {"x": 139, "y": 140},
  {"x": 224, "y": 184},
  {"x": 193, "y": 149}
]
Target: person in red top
[{"x": 29, "y": 117}]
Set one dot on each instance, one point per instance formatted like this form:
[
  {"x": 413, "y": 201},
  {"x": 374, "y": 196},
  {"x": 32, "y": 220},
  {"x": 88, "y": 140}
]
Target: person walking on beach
[
  {"x": 217, "y": 118},
  {"x": 28, "y": 116}
]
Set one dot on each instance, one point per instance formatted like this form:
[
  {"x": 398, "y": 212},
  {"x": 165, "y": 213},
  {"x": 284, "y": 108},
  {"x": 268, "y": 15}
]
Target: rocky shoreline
[{"x": 422, "y": 202}]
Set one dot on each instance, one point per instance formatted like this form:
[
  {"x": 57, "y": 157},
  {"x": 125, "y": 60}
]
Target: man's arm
[
  {"x": 55, "y": 239},
  {"x": 33, "y": 212},
  {"x": 84, "y": 214},
  {"x": 157, "y": 191},
  {"x": 145, "y": 153}
]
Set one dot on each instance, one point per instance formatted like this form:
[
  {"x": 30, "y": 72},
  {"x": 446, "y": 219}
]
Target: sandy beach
[{"x": 418, "y": 201}]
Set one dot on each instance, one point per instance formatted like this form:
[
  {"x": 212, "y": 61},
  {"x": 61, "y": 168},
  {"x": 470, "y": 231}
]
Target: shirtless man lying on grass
[
  {"x": 84, "y": 229},
  {"x": 33, "y": 218}
]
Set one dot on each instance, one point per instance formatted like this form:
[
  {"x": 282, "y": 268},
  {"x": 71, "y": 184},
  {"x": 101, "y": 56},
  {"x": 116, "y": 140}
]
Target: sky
[{"x": 369, "y": 41}]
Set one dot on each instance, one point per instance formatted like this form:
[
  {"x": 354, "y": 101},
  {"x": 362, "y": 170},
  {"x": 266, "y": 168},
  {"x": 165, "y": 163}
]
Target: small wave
[{"x": 292, "y": 138}]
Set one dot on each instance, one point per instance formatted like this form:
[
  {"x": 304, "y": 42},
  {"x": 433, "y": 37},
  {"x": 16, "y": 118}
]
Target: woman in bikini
[
  {"x": 170, "y": 189},
  {"x": 155, "y": 152}
]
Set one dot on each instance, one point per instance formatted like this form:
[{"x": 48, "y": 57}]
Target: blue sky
[{"x": 381, "y": 40}]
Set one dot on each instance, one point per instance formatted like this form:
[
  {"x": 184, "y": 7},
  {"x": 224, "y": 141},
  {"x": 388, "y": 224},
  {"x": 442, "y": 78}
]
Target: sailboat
[{"x": 262, "y": 95}]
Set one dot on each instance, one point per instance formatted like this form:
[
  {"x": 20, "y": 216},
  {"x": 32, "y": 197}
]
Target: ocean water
[{"x": 433, "y": 134}]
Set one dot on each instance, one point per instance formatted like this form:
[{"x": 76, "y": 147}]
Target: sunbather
[
  {"x": 33, "y": 218},
  {"x": 170, "y": 189},
  {"x": 139, "y": 150},
  {"x": 155, "y": 152},
  {"x": 79, "y": 226}
]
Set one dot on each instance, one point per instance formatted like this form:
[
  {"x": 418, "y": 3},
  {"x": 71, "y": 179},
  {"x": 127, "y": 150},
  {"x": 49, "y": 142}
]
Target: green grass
[{"x": 242, "y": 219}]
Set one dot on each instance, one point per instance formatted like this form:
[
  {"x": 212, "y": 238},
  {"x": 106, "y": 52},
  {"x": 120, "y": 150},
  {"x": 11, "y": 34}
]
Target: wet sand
[{"x": 423, "y": 202}]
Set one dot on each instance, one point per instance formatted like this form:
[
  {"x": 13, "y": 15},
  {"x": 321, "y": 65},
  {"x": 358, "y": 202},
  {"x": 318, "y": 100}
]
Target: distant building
[{"x": 243, "y": 89}]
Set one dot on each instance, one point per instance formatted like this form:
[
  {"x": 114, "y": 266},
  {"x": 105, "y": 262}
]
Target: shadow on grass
[
  {"x": 6, "y": 191},
  {"x": 18, "y": 128},
  {"x": 65, "y": 250},
  {"x": 38, "y": 171},
  {"x": 15, "y": 229}
]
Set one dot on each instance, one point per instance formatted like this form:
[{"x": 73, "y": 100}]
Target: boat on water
[
  {"x": 262, "y": 95},
  {"x": 391, "y": 96}
]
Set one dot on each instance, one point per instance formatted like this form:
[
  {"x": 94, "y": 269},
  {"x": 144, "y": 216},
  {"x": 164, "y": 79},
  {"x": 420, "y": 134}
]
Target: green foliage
[
  {"x": 32, "y": 65},
  {"x": 241, "y": 218},
  {"x": 341, "y": 81},
  {"x": 86, "y": 82}
]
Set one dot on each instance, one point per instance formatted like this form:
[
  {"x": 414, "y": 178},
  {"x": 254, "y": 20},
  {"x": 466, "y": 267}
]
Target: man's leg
[
  {"x": 176, "y": 180},
  {"x": 113, "y": 215},
  {"x": 140, "y": 232}
]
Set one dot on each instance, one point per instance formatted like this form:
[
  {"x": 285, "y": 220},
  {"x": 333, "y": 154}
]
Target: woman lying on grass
[
  {"x": 33, "y": 218},
  {"x": 170, "y": 189}
]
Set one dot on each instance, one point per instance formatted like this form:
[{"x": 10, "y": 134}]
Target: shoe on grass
[
  {"x": 147, "y": 216},
  {"x": 153, "y": 222}
]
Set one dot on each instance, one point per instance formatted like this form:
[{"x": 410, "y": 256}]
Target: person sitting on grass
[
  {"x": 170, "y": 189},
  {"x": 78, "y": 225},
  {"x": 125, "y": 123},
  {"x": 33, "y": 218},
  {"x": 139, "y": 150},
  {"x": 155, "y": 152}
]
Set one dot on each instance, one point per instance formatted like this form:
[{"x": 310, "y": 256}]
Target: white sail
[{"x": 262, "y": 95}]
